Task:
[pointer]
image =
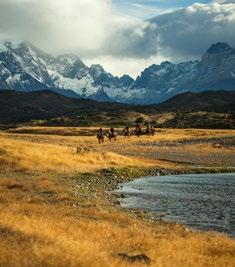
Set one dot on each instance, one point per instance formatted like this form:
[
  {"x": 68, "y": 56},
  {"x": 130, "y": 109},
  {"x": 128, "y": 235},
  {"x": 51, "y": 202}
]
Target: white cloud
[
  {"x": 120, "y": 66},
  {"x": 224, "y": 1},
  {"x": 123, "y": 44},
  {"x": 80, "y": 26}
]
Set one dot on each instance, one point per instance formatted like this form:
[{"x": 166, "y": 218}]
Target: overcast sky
[{"x": 124, "y": 36}]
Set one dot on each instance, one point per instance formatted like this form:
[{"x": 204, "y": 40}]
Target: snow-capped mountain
[
  {"x": 215, "y": 71},
  {"x": 24, "y": 67}
]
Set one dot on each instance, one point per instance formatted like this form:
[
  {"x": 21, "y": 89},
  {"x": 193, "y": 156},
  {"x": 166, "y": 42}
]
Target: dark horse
[
  {"x": 111, "y": 134},
  {"x": 126, "y": 132},
  {"x": 149, "y": 131},
  {"x": 138, "y": 130}
]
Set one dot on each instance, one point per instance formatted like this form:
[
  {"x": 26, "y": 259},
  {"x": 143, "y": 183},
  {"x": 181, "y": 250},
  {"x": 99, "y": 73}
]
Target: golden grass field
[{"x": 55, "y": 209}]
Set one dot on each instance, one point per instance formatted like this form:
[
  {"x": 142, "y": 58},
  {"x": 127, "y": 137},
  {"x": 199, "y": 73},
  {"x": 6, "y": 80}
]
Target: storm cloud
[
  {"x": 98, "y": 33},
  {"x": 189, "y": 31}
]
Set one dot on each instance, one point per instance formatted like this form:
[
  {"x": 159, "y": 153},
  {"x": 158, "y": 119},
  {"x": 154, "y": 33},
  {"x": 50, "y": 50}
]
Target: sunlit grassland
[
  {"x": 89, "y": 131},
  {"x": 48, "y": 216},
  {"x": 43, "y": 223},
  {"x": 55, "y": 149},
  {"x": 26, "y": 155}
]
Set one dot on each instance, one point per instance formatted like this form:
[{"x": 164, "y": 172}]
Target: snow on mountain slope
[
  {"x": 83, "y": 86},
  {"x": 25, "y": 67},
  {"x": 3, "y": 48},
  {"x": 213, "y": 72}
]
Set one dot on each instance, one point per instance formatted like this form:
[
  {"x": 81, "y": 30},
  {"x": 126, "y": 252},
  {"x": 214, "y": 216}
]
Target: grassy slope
[{"x": 55, "y": 212}]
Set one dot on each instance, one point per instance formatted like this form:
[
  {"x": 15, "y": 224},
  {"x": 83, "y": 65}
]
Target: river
[{"x": 200, "y": 201}]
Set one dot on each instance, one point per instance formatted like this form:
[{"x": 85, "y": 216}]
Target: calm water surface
[{"x": 202, "y": 201}]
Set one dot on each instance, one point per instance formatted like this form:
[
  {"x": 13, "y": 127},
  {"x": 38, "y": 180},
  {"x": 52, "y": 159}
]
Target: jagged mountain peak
[
  {"x": 217, "y": 55},
  {"x": 25, "y": 67},
  {"x": 14, "y": 44},
  {"x": 21, "y": 46},
  {"x": 96, "y": 70},
  {"x": 166, "y": 64},
  {"x": 126, "y": 80},
  {"x": 69, "y": 66},
  {"x": 25, "y": 49},
  {"x": 69, "y": 59},
  {"x": 219, "y": 47},
  {"x": 97, "y": 67}
]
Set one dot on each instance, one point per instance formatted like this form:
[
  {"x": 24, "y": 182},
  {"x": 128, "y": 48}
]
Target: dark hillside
[
  {"x": 214, "y": 101},
  {"x": 204, "y": 110}
]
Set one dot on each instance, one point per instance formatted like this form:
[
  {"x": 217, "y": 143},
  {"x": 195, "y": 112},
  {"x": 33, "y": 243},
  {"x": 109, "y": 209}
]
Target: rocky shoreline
[{"x": 102, "y": 184}]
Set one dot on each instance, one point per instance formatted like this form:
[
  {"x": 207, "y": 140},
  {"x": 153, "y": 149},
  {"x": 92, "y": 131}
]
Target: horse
[
  {"x": 111, "y": 136},
  {"x": 126, "y": 132},
  {"x": 149, "y": 132}
]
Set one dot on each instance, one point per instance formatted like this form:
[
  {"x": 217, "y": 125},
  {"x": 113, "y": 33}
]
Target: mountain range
[{"x": 24, "y": 67}]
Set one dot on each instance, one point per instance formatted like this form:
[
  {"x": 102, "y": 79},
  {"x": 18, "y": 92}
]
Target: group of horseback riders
[{"x": 126, "y": 132}]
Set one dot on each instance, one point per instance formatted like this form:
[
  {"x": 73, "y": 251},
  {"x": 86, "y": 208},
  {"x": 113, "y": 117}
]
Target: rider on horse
[
  {"x": 112, "y": 134},
  {"x": 126, "y": 132},
  {"x": 112, "y": 131},
  {"x": 138, "y": 130},
  {"x": 148, "y": 127},
  {"x": 100, "y": 136},
  {"x": 152, "y": 130}
]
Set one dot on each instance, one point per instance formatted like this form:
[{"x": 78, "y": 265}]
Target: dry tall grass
[
  {"x": 82, "y": 134},
  {"x": 44, "y": 224},
  {"x": 25, "y": 155},
  {"x": 48, "y": 219}
]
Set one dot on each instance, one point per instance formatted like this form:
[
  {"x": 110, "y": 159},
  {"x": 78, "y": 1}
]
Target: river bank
[
  {"x": 110, "y": 179},
  {"x": 57, "y": 206},
  {"x": 104, "y": 184},
  {"x": 50, "y": 220},
  {"x": 199, "y": 201}
]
